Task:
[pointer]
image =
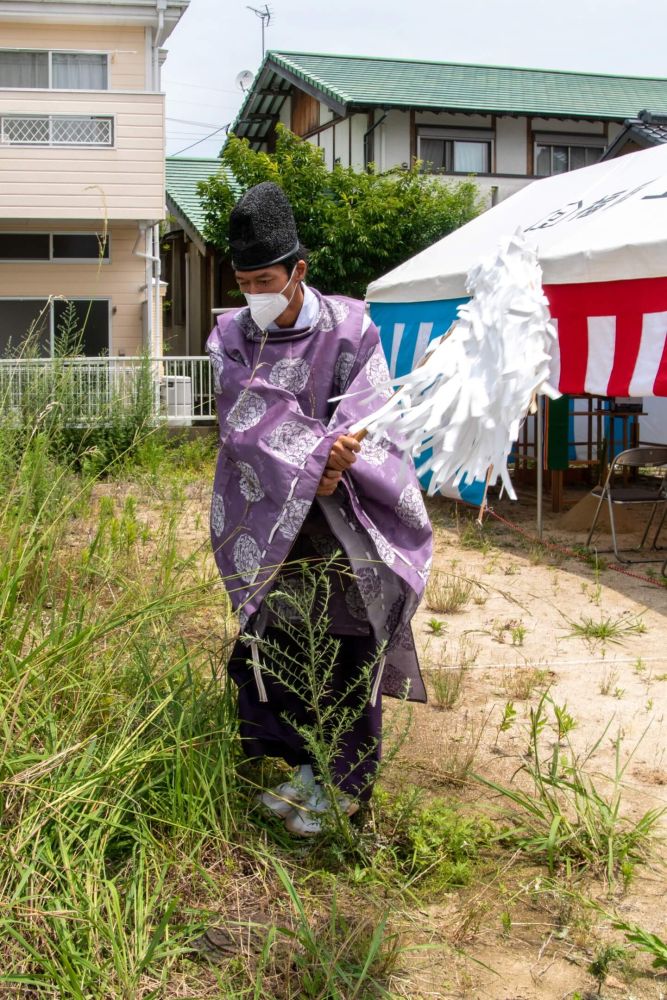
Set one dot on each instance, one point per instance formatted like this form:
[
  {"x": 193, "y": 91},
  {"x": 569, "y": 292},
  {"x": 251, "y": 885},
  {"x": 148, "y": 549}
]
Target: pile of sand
[{"x": 628, "y": 520}]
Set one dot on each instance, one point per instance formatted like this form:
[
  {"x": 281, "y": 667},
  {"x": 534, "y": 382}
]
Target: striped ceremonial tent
[{"x": 600, "y": 234}]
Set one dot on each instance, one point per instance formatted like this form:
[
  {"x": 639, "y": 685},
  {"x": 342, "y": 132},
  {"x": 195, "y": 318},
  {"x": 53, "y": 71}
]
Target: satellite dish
[{"x": 244, "y": 79}]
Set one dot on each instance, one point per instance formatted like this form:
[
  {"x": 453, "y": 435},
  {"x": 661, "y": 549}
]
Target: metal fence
[
  {"x": 181, "y": 387},
  {"x": 56, "y": 130}
]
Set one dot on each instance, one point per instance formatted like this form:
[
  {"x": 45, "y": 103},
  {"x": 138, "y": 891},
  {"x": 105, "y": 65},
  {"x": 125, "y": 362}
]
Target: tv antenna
[
  {"x": 264, "y": 14},
  {"x": 244, "y": 79}
]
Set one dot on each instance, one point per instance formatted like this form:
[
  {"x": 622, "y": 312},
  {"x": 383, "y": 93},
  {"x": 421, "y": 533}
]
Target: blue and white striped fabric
[{"x": 405, "y": 330}]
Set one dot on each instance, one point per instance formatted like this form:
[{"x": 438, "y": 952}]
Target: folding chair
[{"x": 619, "y": 495}]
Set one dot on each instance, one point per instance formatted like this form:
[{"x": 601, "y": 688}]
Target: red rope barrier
[{"x": 563, "y": 550}]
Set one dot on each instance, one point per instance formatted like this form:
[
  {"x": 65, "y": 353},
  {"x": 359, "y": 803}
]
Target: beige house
[{"x": 82, "y": 191}]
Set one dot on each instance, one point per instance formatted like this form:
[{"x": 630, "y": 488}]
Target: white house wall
[
  {"x": 392, "y": 144},
  {"x": 614, "y": 129},
  {"x": 359, "y": 125},
  {"x": 511, "y": 145},
  {"x": 285, "y": 113},
  {"x": 392, "y": 140},
  {"x": 342, "y": 143}
]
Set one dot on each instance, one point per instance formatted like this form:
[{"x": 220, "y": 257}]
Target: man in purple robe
[{"x": 293, "y": 485}]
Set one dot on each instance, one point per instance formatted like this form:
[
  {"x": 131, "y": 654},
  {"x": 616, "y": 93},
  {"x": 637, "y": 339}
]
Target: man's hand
[
  {"x": 343, "y": 453},
  {"x": 328, "y": 483}
]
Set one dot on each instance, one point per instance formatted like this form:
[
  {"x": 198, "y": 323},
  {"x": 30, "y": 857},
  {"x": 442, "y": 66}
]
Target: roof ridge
[
  {"x": 435, "y": 62},
  {"x": 318, "y": 79}
]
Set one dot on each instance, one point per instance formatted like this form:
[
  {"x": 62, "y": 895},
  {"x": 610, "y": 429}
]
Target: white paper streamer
[{"x": 467, "y": 399}]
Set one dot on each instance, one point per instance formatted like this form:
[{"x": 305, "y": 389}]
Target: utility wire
[
  {"x": 186, "y": 148},
  {"x": 200, "y": 86},
  {"x": 189, "y": 121}
]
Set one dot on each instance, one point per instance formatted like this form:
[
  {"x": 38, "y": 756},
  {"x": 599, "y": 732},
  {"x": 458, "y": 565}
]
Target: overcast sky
[{"x": 217, "y": 39}]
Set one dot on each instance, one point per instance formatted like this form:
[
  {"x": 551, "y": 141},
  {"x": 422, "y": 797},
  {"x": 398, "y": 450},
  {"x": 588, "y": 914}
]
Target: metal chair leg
[
  {"x": 595, "y": 519},
  {"x": 658, "y": 530},
  {"x": 613, "y": 529},
  {"x": 648, "y": 525}
]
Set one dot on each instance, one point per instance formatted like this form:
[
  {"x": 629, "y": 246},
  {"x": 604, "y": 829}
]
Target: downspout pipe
[
  {"x": 159, "y": 35},
  {"x": 151, "y": 237},
  {"x": 153, "y": 240}
]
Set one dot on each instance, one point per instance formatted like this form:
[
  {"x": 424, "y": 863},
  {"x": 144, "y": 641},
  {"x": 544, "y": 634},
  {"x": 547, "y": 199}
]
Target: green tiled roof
[
  {"x": 183, "y": 174},
  {"x": 402, "y": 83}
]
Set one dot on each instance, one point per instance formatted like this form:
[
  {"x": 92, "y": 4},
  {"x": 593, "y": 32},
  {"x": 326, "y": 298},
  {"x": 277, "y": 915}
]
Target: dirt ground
[
  {"x": 518, "y": 635},
  {"x": 514, "y": 936}
]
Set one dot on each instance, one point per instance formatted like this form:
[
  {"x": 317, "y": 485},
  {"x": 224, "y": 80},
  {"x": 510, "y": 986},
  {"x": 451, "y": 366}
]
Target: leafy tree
[{"x": 356, "y": 226}]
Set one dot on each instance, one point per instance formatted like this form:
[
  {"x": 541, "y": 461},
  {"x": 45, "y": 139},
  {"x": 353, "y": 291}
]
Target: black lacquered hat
[{"x": 262, "y": 230}]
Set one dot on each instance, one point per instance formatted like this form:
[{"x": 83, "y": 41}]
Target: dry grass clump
[
  {"x": 448, "y": 593},
  {"x": 447, "y": 686},
  {"x": 521, "y": 682}
]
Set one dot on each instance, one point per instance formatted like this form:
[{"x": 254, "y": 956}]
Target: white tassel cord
[{"x": 467, "y": 399}]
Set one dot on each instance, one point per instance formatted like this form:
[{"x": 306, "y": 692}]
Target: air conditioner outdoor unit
[{"x": 176, "y": 398}]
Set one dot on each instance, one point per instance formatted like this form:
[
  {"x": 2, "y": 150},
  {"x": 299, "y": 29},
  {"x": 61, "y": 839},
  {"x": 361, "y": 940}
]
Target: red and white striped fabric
[
  {"x": 612, "y": 337},
  {"x": 600, "y": 235}
]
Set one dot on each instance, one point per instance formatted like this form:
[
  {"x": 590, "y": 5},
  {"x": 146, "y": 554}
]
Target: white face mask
[{"x": 266, "y": 307}]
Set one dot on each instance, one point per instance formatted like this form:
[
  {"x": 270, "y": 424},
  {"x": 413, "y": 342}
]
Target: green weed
[
  {"x": 607, "y": 629},
  {"x": 435, "y": 626},
  {"x": 435, "y": 846},
  {"x": 566, "y": 818}
]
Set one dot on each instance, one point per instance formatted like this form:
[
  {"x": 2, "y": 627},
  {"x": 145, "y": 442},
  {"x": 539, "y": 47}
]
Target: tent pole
[{"x": 540, "y": 462}]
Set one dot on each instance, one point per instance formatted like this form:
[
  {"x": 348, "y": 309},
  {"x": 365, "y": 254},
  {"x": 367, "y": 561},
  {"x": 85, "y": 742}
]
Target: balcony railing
[{"x": 181, "y": 388}]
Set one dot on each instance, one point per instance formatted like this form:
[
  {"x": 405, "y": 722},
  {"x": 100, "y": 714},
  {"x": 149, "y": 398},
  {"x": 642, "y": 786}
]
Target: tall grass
[
  {"x": 117, "y": 747},
  {"x": 127, "y": 826}
]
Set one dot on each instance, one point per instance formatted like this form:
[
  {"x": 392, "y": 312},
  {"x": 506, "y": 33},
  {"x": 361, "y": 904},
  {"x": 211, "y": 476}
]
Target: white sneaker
[
  {"x": 282, "y": 799},
  {"x": 309, "y": 818}
]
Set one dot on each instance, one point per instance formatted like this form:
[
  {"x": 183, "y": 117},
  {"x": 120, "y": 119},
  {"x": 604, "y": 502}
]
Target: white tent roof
[{"x": 607, "y": 222}]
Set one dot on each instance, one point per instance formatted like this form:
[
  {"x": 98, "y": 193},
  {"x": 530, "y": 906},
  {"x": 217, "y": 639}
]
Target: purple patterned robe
[{"x": 277, "y": 427}]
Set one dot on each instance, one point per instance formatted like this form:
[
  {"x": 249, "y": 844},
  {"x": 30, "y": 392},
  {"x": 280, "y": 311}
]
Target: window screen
[
  {"x": 90, "y": 328},
  {"x": 24, "y": 246},
  {"x": 20, "y": 318},
  {"x": 80, "y": 246}
]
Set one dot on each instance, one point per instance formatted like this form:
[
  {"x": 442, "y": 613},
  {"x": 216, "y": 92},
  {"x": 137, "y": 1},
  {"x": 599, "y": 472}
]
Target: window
[
  {"x": 91, "y": 324},
  {"x": 24, "y": 246},
  {"x": 20, "y": 318},
  {"x": 56, "y": 130},
  {"x": 79, "y": 247},
  {"x": 45, "y": 321},
  {"x": 558, "y": 154},
  {"x": 78, "y": 71},
  {"x": 24, "y": 69},
  {"x": 453, "y": 151},
  {"x": 54, "y": 70}
]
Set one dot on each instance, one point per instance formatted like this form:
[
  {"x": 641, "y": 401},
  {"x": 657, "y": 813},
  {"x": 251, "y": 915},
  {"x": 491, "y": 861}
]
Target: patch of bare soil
[
  {"x": 528, "y": 625},
  {"x": 538, "y": 619}
]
